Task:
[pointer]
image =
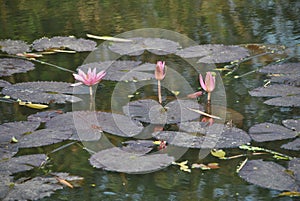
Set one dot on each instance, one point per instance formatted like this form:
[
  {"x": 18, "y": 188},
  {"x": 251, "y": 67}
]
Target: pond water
[{"x": 272, "y": 23}]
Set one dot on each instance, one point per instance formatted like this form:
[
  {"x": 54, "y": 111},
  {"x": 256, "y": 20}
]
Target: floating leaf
[
  {"x": 275, "y": 90},
  {"x": 42, "y": 92},
  {"x": 123, "y": 70},
  {"x": 44, "y": 116},
  {"x": 294, "y": 165},
  {"x": 288, "y": 101},
  {"x": 287, "y": 79},
  {"x": 32, "y": 105},
  {"x": 59, "y": 42},
  {"x": 293, "y": 124},
  {"x": 12, "y": 66},
  {"x": 115, "y": 159},
  {"x": 218, "y": 153},
  {"x": 109, "y": 38},
  {"x": 214, "y": 53},
  {"x": 294, "y": 145},
  {"x": 270, "y": 132},
  {"x": 290, "y": 194},
  {"x": 151, "y": 111},
  {"x": 22, "y": 163},
  {"x": 4, "y": 83},
  {"x": 268, "y": 175},
  {"x": 285, "y": 68},
  {"x": 14, "y": 140},
  {"x": 13, "y": 46},
  {"x": 139, "y": 45}
]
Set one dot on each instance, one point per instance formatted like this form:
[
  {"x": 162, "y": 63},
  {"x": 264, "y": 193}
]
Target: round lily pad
[
  {"x": 268, "y": 175},
  {"x": 201, "y": 136},
  {"x": 138, "y": 45},
  {"x": 275, "y": 90},
  {"x": 43, "y": 137},
  {"x": 44, "y": 116},
  {"x": 116, "y": 159},
  {"x": 288, "y": 79},
  {"x": 4, "y": 83},
  {"x": 151, "y": 111},
  {"x": 294, "y": 145},
  {"x": 286, "y": 101},
  {"x": 88, "y": 126},
  {"x": 294, "y": 165},
  {"x": 285, "y": 68},
  {"x": 214, "y": 53},
  {"x": 14, "y": 46},
  {"x": 269, "y": 132},
  {"x": 41, "y": 92},
  {"x": 293, "y": 124},
  {"x": 123, "y": 70},
  {"x": 59, "y": 42},
  {"x": 10, "y": 66}
]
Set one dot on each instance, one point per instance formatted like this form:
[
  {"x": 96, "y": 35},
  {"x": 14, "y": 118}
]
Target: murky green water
[{"x": 209, "y": 21}]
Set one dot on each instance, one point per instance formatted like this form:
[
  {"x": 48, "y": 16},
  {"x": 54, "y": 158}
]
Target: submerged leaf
[{"x": 11, "y": 66}]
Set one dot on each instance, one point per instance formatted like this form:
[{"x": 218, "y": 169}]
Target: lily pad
[
  {"x": 269, "y": 132},
  {"x": 268, "y": 175},
  {"x": 150, "y": 111},
  {"x": 294, "y": 165},
  {"x": 84, "y": 126},
  {"x": 4, "y": 83},
  {"x": 275, "y": 90},
  {"x": 33, "y": 189},
  {"x": 137, "y": 47},
  {"x": 123, "y": 70},
  {"x": 44, "y": 116},
  {"x": 43, "y": 137},
  {"x": 201, "y": 136},
  {"x": 293, "y": 124},
  {"x": 216, "y": 53},
  {"x": 16, "y": 129},
  {"x": 5, "y": 181},
  {"x": 294, "y": 145},
  {"x": 41, "y": 92},
  {"x": 285, "y": 68},
  {"x": 116, "y": 159},
  {"x": 22, "y": 163},
  {"x": 10, "y": 66},
  {"x": 287, "y": 101},
  {"x": 59, "y": 42},
  {"x": 288, "y": 79},
  {"x": 14, "y": 46}
]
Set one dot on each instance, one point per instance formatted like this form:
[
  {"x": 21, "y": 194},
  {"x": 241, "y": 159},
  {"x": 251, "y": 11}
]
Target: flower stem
[
  {"x": 208, "y": 97},
  {"x": 91, "y": 91},
  {"x": 159, "y": 91}
]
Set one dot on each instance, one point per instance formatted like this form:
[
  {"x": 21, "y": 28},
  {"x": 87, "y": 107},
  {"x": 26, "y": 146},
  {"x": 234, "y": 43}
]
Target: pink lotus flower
[
  {"x": 89, "y": 79},
  {"x": 160, "y": 72},
  {"x": 209, "y": 84},
  {"x": 195, "y": 95}
]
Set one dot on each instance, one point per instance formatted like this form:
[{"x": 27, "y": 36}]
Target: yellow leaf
[
  {"x": 130, "y": 96},
  {"x": 176, "y": 93},
  {"x": 14, "y": 140},
  {"x": 8, "y": 97},
  {"x": 290, "y": 194},
  {"x": 218, "y": 153},
  {"x": 185, "y": 168},
  {"x": 157, "y": 142},
  {"x": 35, "y": 106}
]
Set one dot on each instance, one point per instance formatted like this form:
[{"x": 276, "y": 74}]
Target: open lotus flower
[
  {"x": 89, "y": 79},
  {"x": 160, "y": 72},
  {"x": 209, "y": 84}
]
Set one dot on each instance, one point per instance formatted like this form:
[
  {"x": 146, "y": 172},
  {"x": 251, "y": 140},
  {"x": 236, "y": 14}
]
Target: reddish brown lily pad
[
  {"x": 268, "y": 175},
  {"x": 151, "y": 111},
  {"x": 157, "y": 46},
  {"x": 10, "y": 66},
  {"x": 118, "y": 160},
  {"x": 14, "y": 46},
  {"x": 59, "y": 42},
  {"x": 42, "y": 92},
  {"x": 269, "y": 132},
  {"x": 214, "y": 53}
]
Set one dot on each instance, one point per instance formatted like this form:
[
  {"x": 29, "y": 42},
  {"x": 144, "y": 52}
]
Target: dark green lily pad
[
  {"x": 4, "y": 83},
  {"x": 43, "y": 137},
  {"x": 275, "y": 90},
  {"x": 22, "y": 163},
  {"x": 10, "y": 66},
  {"x": 151, "y": 111},
  {"x": 268, "y": 175},
  {"x": 116, "y": 159},
  {"x": 269, "y": 132},
  {"x": 16, "y": 129},
  {"x": 287, "y": 101},
  {"x": 33, "y": 189},
  {"x": 88, "y": 126},
  {"x": 123, "y": 70},
  {"x": 285, "y": 68},
  {"x": 294, "y": 145},
  {"x": 293, "y": 124},
  {"x": 44, "y": 116},
  {"x": 41, "y": 92},
  {"x": 59, "y": 42},
  {"x": 137, "y": 47},
  {"x": 201, "y": 136},
  {"x": 294, "y": 165},
  {"x": 14, "y": 46},
  {"x": 214, "y": 53}
]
